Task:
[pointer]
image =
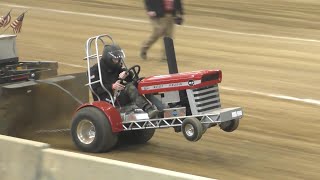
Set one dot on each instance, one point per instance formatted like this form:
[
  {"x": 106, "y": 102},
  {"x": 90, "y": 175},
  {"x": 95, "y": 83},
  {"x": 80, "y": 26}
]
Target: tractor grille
[{"x": 204, "y": 99}]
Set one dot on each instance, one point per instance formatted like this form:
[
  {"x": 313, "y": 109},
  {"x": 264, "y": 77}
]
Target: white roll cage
[{"x": 96, "y": 56}]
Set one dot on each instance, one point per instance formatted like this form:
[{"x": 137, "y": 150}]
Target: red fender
[{"x": 111, "y": 113}]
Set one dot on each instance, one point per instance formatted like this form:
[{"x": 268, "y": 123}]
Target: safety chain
[{"x": 52, "y": 131}]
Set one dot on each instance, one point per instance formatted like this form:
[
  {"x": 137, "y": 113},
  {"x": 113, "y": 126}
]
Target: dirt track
[{"x": 262, "y": 47}]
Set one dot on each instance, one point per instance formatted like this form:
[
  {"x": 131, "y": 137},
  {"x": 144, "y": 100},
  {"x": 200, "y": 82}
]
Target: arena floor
[{"x": 267, "y": 50}]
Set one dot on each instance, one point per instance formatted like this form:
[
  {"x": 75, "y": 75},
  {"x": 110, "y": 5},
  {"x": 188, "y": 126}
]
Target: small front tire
[
  {"x": 229, "y": 126},
  {"x": 192, "y": 129}
]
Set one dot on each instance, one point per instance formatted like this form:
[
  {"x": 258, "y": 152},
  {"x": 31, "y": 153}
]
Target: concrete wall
[
  {"x": 67, "y": 165},
  {"x": 28, "y": 160},
  {"x": 20, "y": 159}
]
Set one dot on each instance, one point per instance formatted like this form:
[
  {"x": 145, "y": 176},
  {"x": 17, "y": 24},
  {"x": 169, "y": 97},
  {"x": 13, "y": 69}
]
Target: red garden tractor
[{"x": 189, "y": 102}]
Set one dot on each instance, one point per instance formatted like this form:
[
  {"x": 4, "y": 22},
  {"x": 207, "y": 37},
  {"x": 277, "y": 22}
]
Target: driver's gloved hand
[
  {"x": 123, "y": 75},
  {"x": 118, "y": 86}
]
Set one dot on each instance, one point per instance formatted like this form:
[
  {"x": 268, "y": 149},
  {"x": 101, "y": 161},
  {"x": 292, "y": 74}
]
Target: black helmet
[{"x": 111, "y": 52}]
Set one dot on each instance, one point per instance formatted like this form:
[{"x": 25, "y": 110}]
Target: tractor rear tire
[
  {"x": 229, "y": 126},
  {"x": 143, "y": 136},
  {"x": 137, "y": 136},
  {"x": 192, "y": 129},
  {"x": 91, "y": 131}
]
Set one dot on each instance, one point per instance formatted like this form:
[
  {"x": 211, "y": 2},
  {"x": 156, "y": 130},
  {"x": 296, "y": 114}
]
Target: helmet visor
[{"x": 117, "y": 54}]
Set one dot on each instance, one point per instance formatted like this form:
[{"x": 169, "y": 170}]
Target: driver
[{"x": 113, "y": 74}]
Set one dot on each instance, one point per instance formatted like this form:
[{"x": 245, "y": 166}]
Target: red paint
[
  {"x": 176, "y": 78},
  {"x": 25, "y": 77}
]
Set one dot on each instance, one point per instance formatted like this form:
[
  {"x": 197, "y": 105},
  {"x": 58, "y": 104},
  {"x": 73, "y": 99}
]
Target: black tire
[
  {"x": 192, "y": 129},
  {"x": 137, "y": 136},
  {"x": 104, "y": 139},
  {"x": 230, "y": 126}
]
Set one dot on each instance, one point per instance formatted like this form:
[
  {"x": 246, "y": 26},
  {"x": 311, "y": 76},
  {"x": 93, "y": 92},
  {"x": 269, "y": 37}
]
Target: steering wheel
[{"x": 135, "y": 71}]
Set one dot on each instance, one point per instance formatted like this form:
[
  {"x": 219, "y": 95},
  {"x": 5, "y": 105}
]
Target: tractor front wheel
[
  {"x": 229, "y": 126},
  {"x": 91, "y": 131},
  {"x": 192, "y": 129}
]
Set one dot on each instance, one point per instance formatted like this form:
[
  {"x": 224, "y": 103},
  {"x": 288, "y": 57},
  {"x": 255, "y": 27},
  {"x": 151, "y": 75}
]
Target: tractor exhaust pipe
[{"x": 171, "y": 55}]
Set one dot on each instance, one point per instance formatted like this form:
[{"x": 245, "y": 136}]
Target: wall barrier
[
  {"x": 20, "y": 159},
  {"x": 28, "y": 160}
]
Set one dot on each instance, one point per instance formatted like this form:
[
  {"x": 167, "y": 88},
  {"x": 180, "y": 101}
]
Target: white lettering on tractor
[
  {"x": 170, "y": 85},
  {"x": 175, "y": 84}
]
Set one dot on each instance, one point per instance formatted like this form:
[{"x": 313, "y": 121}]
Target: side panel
[
  {"x": 8, "y": 52},
  {"x": 112, "y": 114}
]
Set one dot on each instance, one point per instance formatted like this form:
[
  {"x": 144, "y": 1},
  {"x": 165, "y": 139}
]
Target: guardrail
[{"x": 29, "y": 160}]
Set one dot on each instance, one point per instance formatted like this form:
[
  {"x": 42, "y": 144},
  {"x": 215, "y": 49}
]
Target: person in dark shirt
[
  {"x": 113, "y": 73},
  {"x": 163, "y": 15}
]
